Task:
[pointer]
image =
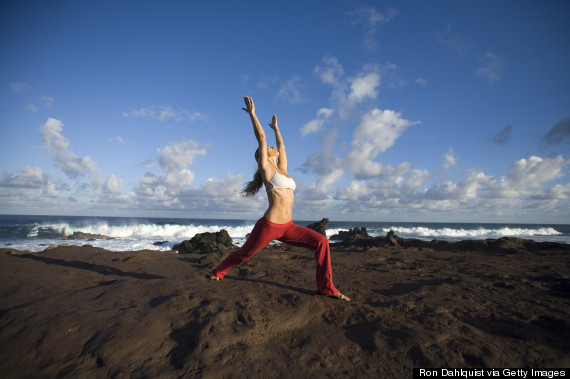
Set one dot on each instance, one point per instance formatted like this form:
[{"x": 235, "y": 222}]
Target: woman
[{"x": 277, "y": 223}]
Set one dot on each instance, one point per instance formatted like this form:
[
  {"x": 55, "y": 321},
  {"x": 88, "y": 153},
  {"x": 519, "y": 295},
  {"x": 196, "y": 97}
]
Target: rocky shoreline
[{"x": 87, "y": 312}]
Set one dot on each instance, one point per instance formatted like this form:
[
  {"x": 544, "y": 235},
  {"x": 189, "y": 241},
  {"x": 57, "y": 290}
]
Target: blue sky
[{"x": 391, "y": 111}]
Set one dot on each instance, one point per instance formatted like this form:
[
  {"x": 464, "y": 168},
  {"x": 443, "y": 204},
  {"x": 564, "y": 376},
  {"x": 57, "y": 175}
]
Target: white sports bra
[{"x": 281, "y": 181}]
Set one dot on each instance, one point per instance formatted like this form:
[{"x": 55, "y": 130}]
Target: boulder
[
  {"x": 86, "y": 236},
  {"x": 320, "y": 227},
  {"x": 351, "y": 235},
  {"x": 204, "y": 243}
]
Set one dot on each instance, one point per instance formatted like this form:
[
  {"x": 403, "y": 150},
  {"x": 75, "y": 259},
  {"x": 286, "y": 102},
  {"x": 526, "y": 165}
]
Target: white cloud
[
  {"x": 30, "y": 177},
  {"x": 450, "y": 159},
  {"x": 47, "y": 101},
  {"x": 20, "y": 87},
  {"x": 176, "y": 156},
  {"x": 421, "y": 82},
  {"x": 363, "y": 87},
  {"x": 371, "y": 21},
  {"x": 331, "y": 71},
  {"x": 529, "y": 174},
  {"x": 355, "y": 190},
  {"x": 112, "y": 185},
  {"x": 377, "y": 132},
  {"x": 326, "y": 165},
  {"x": 56, "y": 144},
  {"x": 291, "y": 91},
  {"x": 165, "y": 190},
  {"x": 401, "y": 190},
  {"x": 316, "y": 125},
  {"x": 165, "y": 113},
  {"x": 492, "y": 68},
  {"x": 557, "y": 192},
  {"x": 456, "y": 42},
  {"x": 31, "y": 108}
]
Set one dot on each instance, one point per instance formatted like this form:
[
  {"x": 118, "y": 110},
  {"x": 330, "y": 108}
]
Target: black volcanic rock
[
  {"x": 206, "y": 243},
  {"x": 320, "y": 227},
  {"x": 86, "y": 236},
  {"x": 351, "y": 235}
]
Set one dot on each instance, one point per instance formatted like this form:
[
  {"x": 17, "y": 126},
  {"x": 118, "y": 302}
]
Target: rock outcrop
[
  {"x": 204, "y": 243},
  {"x": 86, "y": 236},
  {"x": 320, "y": 227},
  {"x": 351, "y": 235}
]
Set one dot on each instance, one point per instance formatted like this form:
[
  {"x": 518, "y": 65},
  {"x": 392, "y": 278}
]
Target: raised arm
[
  {"x": 282, "y": 161},
  {"x": 257, "y": 129}
]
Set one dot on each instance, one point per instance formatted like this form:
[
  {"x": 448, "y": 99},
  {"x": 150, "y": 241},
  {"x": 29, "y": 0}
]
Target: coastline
[
  {"x": 35, "y": 233},
  {"x": 83, "y": 311}
]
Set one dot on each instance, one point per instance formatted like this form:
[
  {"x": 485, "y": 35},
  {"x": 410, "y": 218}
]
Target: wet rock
[
  {"x": 320, "y": 227},
  {"x": 351, "y": 235},
  {"x": 203, "y": 243},
  {"x": 86, "y": 236}
]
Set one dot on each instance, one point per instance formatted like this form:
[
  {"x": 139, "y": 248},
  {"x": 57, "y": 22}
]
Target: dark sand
[{"x": 83, "y": 312}]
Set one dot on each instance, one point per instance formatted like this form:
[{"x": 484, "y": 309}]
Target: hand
[
  {"x": 273, "y": 124},
  {"x": 249, "y": 107}
]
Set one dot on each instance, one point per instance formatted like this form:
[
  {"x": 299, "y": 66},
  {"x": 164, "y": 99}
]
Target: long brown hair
[{"x": 252, "y": 187}]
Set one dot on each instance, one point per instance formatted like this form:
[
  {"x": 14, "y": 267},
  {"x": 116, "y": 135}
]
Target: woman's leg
[
  {"x": 261, "y": 235},
  {"x": 304, "y": 237}
]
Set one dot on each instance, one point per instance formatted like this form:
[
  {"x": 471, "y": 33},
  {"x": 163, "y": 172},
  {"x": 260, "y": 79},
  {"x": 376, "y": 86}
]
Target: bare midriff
[{"x": 280, "y": 209}]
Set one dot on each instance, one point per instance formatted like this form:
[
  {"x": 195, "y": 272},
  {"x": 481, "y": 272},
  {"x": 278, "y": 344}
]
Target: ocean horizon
[{"x": 36, "y": 233}]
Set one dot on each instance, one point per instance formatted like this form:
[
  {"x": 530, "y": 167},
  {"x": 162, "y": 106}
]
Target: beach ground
[{"x": 86, "y": 312}]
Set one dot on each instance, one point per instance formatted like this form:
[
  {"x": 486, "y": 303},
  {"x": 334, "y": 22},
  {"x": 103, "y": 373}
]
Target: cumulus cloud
[
  {"x": 165, "y": 113},
  {"x": 164, "y": 190},
  {"x": 402, "y": 190},
  {"x": 30, "y": 177},
  {"x": 327, "y": 165},
  {"x": 57, "y": 145},
  {"x": 112, "y": 185},
  {"x": 316, "y": 125},
  {"x": 492, "y": 68},
  {"x": 176, "y": 156},
  {"x": 504, "y": 136},
  {"x": 348, "y": 92},
  {"x": 450, "y": 159},
  {"x": 371, "y": 21},
  {"x": 529, "y": 174},
  {"x": 377, "y": 132},
  {"x": 557, "y": 192},
  {"x": 356, "y": 190},
  {"x": 560, "y": 133},
  {"x": 363, "y": 87}
]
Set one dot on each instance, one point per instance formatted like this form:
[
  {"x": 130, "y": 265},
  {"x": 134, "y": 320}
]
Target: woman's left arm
[{"x": 282, "y": 161}]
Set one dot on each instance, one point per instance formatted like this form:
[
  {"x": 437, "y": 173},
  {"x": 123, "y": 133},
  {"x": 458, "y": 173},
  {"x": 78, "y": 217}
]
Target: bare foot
[
  {"x": 340, "y": 296},
  {"x": 214, "y": 277}
]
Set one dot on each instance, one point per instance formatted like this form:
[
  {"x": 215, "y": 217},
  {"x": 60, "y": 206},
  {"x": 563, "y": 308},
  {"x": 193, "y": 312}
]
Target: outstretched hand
[
  {"x": 273, "y": 124},
  {"x": 249, "y": 107}
]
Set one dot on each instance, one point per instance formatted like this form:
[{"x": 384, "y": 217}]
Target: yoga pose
[{"x": 277, "y": 223}]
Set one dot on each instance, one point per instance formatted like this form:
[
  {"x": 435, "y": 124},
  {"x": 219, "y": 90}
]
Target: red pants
[{"x": 266, "y": 231}]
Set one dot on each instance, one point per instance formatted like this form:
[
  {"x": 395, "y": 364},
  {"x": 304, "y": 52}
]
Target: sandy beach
[{"x": 84, "y": 312}]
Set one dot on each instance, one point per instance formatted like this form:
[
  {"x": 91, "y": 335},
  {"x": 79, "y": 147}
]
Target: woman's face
[{"x": 272, "y": 151}]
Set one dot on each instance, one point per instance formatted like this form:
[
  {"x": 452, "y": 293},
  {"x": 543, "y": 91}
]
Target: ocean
[{"x": 35, "y": 233}]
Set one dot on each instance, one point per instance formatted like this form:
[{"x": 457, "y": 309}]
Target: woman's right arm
[{"x": 257, "y": 128}]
